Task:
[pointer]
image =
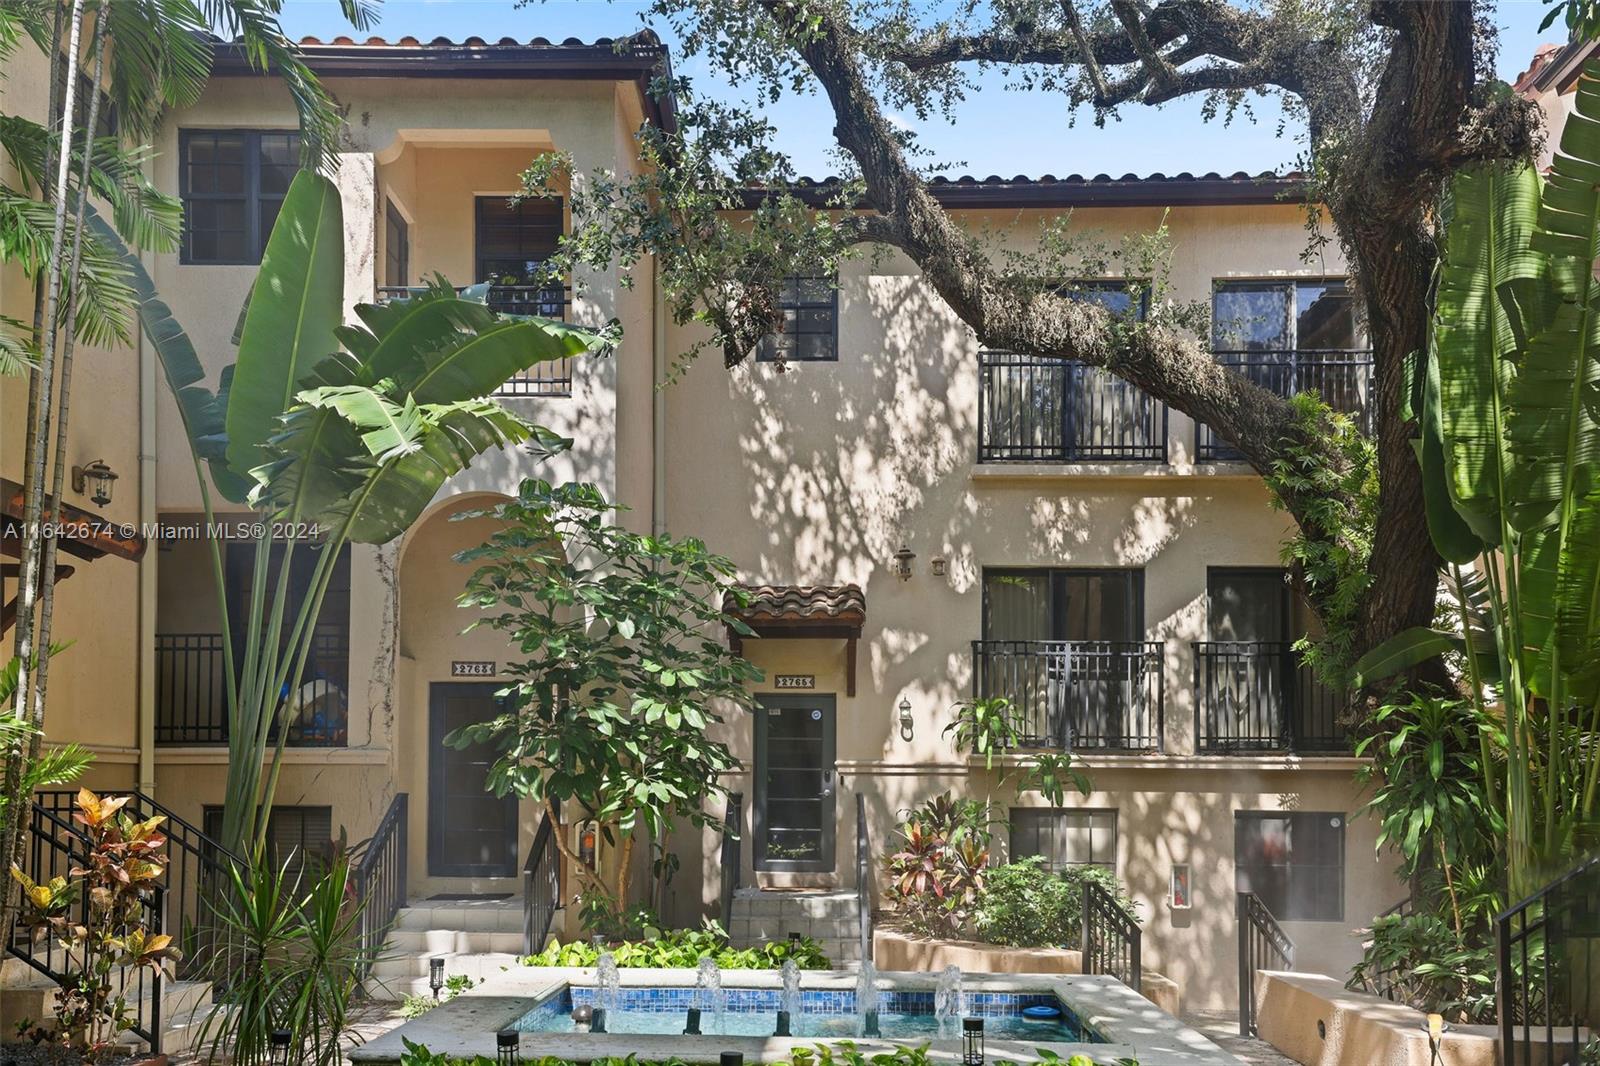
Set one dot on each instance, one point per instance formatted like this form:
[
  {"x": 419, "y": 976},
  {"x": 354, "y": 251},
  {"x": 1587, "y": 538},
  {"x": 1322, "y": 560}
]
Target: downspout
[
  {"x": 146, "y": 781},
  {"x": 658, "y": 404}
]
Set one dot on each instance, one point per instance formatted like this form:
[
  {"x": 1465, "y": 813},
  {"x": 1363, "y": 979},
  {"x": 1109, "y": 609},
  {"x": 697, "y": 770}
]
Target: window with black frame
[
  {"x": 810, "y": 334},
  {"x": 232, "y": 183},
  {"x": 1064, "y": 836},
  {"x": 1291, "y": 336},
  {"x": 396, "y": 248},
  {"x": 1035, "y": 409},
  {"x": 297, "y": 836},
  {"x": 514, "y": 241},
  {"x": 1066, "y": 648},
  {"x": 1292, "y": 861}
]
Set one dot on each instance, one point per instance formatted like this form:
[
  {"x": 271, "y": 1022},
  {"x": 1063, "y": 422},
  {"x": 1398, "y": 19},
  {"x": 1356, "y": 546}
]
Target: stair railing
[
  {"x": 541, "y": 885},
  {"x": 1263, "y": 945},
  {"x": 53, "y": 847},
  {"x": 864, "y": 877},
  {"x": 732, "y": 818},
  {"x": 1112, "y": 939},
  {"x": 1547, "y": 985},
  {"x": 378, "y": 880}
]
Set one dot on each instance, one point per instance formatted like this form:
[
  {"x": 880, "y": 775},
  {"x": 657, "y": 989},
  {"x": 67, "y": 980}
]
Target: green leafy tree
[
  {"x": 623, "y": 675},
  {"x": 356, "y": 444},
  {"x": 1508, "y": 398}
]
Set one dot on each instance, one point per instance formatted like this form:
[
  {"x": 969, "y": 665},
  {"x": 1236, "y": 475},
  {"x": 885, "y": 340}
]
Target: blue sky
[{"x": 997, "y": 131}]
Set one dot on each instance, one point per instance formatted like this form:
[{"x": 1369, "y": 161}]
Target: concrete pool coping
[{"x": 465, "y": 1026}]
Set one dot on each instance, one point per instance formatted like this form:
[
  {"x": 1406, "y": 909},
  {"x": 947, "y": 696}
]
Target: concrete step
[
  {"x": 755, "y": 903},
  {"x": 429, "y": 942},
  {"x": 185, "y": 1005},
  {"x": 479, "y": 964},
  {"x": 479, "y": 916}
]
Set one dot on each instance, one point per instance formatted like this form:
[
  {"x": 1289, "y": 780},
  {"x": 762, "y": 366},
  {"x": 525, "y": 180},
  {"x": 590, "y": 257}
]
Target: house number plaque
[
  {"x": 472, "y": 668},
  {"x": 794, "y": 681}
]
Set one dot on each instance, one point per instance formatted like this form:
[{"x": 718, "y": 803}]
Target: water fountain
[
  {"x": 608, "y": 990},
  {"x": 789, "y": 1000},
  {"x": 947, "y": 1002},
  {"x": 867, "y": 1000},
  {"x": 708, "y": 994}
]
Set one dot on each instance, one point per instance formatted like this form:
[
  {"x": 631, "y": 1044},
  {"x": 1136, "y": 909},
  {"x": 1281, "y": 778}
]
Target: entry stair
[
  {"x": 478, "y": 938},
  {"x": 831, "y": 918}
]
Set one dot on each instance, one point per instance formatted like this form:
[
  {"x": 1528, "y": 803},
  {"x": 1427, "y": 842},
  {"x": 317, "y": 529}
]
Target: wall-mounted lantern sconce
[
  {"x": 905, "y": 719},
  {"x": 902, "y": 562},
  {"x": 938, "y": 565},
  {"x": 94, "y": 478}
]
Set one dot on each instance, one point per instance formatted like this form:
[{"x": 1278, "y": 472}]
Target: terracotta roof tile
[{"x": 845, "y": 603}]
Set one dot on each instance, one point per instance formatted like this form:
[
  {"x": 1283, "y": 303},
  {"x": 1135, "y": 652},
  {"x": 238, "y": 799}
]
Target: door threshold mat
[{"x": 467, "y": 897}]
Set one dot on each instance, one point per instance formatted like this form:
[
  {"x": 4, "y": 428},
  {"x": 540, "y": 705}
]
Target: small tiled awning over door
[
  {"x": 790, "y": 612},
  {"x": 81, "y": 533}
]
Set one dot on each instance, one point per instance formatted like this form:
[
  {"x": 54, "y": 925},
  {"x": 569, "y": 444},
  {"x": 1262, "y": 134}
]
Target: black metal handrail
[
  {"x": 1112, "y": 939},
  {"x": 54, "y": 846},
  {"x": 378, "y": 880},
  {"x": 1037, "y": 410},
  {"x": 1341, "y": 376},
  {"x": 191, "y": 692},
  {"x": 541, "y": 884},
  {"x": 550, "y": 378},
  {"x": 1547, "y": 987},
  {"x": 196, "y": 878},
  {"x": 732, "y": 819},
  {"x": 1261, "y": 696},
  {"x": 1263, "y": 945},
  {"x": 864, "y": 877},
  {"x": 1076, "y": 695}
]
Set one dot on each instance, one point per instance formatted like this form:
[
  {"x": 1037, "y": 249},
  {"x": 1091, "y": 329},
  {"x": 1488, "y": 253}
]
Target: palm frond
[{"x": 17, "y": 354}]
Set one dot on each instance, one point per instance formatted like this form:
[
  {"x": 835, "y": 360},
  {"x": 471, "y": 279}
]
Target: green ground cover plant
[{"x": 685, "y": 948}]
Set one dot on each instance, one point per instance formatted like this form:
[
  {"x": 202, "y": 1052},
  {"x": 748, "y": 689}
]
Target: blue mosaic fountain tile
[{"x": 815, "y": 1001}]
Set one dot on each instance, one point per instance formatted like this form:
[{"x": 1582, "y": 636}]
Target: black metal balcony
[
  {"x": 1342, "y": 377},
  {"x": 552, "y": 378},
  {"x": 1259, "y": 696},
  {"x": 1057, "y": 411},
  {"x": 192, "y": 702},
  {"x": 1076, "y": 695}
]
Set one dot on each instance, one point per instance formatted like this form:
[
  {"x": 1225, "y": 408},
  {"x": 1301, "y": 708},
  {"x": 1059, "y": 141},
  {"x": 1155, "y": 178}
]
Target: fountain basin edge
[{"x": 465, "y": 1026}]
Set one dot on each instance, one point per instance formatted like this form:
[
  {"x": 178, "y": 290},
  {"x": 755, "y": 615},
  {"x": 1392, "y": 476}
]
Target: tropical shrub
[
  {"x": 1420, "y": 960},
  {"x": 418, "y": 1004},
  {"x": 935, "y": 876},
  {"x": 685, "y": 948},
  {"x": 1024, "y": 905},
  {"x": 96, "y": 913}
]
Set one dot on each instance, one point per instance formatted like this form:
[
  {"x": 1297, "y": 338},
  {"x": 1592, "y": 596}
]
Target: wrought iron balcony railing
[
  {"x": 1076, "y": 695},
  {"x": 1342, "y": 377},
  {"x": 192, "y": 703},
  {"x": 1052, "y": 410},
  {"x": 1259, "y": 696},
  {"x": 553, "y": 378}
]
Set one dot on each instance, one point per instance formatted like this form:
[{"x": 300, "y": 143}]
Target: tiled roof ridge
[
  {"x": 1239, "y": 176},
  {"x": 802, "y": 601},
  {"x": 643, "y": 40}
]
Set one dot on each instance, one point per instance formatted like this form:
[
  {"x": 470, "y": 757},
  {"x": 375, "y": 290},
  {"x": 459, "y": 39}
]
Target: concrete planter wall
[{"x": 893, "y": 950}]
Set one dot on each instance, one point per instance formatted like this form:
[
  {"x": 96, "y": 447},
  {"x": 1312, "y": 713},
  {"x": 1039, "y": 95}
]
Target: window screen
[
  {"x": 1294, "y": 861},
  {"x": 294, "y": 834},
  {"x": 1064, "y": 837},
  {"x": 810, "y": 306},
  {"x": 233, "y": 183}
]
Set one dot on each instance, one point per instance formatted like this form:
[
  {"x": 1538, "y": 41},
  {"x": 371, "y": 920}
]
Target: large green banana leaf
[
  {"x": 202, "y": 411},
  {"x": 295, "y": 306},
  {"x": 1491, "y": 214}
]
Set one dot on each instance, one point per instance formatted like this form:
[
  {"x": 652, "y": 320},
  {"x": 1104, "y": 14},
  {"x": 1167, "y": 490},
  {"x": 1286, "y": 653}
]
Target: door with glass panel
[
  {"x": 796, "y": 781},
  {"x": 1290, "y": 337},
  {"x": 1065, "y": 648},
  {"x": 1245, "y": 668}
]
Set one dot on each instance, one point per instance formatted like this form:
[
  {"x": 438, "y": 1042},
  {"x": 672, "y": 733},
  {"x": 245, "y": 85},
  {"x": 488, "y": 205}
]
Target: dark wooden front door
[
  {"x": 471, "y": 832},
  {"x": 796, "y": 781}
]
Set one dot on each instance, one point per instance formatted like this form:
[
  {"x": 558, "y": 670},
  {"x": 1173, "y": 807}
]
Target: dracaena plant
[
  {"x": 934, "y": 879},
  {"x": 96, "y": 914},
  {"x": 353, "y": 444}
]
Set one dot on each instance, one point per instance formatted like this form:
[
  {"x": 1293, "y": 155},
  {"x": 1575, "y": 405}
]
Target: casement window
[
  {"x": 1293, "y": 861},
  {"x": 233, "y": 183},
  {"x": 296, "y": 835},
  {"x": 810, "y": 334},
  {"x": 1060, "y": 604},
  {"x": 1283, "y": 316},
  {"x": 396, "y": 248},
  {"x": 1121, "y": 296},
  {"x": 1065, "y": 837}
]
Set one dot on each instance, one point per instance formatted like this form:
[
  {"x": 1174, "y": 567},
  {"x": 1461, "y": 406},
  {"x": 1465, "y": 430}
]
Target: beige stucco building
[{"x": 986, "y": 525}]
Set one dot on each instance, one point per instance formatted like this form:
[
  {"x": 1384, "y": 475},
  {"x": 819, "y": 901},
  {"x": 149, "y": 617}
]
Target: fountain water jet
[
  {"x": 867, "y": 1000},
  {"x": 708, "y": 992},
  {"x": 789, "y": 999},
  {"x": 947, "y": 1002}
]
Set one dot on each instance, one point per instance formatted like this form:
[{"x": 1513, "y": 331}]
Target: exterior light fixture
[
  {"x": 907, "y": 723},
  {"x": 972, "y": 1042},
  {"x": 939, "y": 565},
  {"x": 95, "y": 478},
  {"x": 902, "y": 562},
  {"x": 507, "y": 1044},
  {"x": 436, "y": 975},
  {"x": 278, "y": 1047}
]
